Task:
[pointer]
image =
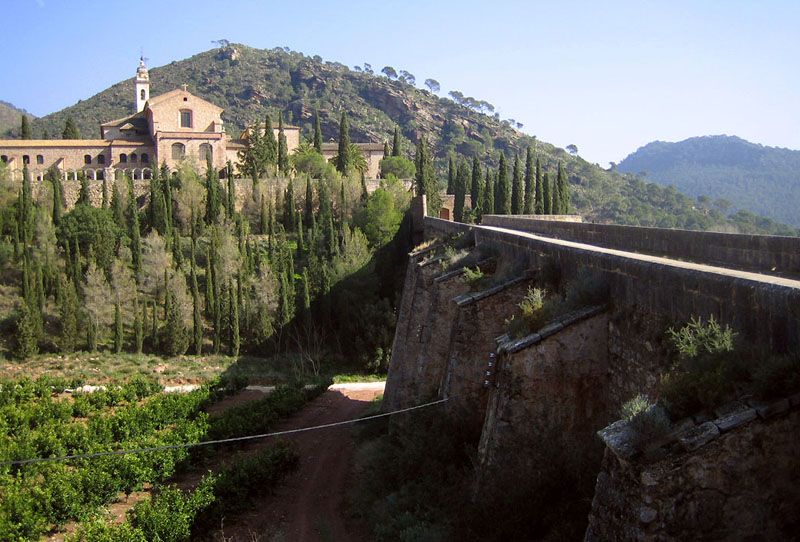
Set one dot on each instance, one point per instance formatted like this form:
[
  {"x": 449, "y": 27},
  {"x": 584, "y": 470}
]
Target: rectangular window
[{"x": 186, "y": 119}]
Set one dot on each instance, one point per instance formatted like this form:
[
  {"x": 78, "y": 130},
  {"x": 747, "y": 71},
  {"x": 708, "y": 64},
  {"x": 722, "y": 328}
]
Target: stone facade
[{"x": 166, "y": 129}]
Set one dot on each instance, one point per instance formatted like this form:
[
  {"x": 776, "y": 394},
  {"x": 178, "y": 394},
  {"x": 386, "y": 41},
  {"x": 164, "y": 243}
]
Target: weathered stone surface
[
  {"x": 767, "y": 410},
  {"x": 698, "y": 436},
  {"x": 735, "y": 418},
  {"x": 620, "y": 438}
]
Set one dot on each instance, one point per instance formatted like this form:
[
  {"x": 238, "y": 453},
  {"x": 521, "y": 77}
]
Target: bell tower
[{"x": 142, "y": 85}]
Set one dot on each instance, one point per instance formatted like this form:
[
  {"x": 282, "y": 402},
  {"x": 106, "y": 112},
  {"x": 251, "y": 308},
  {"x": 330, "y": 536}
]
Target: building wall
[{"x": 164, "y": 115}]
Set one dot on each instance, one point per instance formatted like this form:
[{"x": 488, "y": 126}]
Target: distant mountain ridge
[
  {"x": 760, "y": 179},
  {"x": 251, "y": 83},
  {"x": 10, "y": 118}
]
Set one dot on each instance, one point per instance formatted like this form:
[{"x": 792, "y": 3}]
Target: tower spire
[{"x": 142, "y": 84}]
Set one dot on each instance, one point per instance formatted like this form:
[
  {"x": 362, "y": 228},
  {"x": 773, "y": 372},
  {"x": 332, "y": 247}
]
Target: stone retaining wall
[{"x": 760, "y": 253}]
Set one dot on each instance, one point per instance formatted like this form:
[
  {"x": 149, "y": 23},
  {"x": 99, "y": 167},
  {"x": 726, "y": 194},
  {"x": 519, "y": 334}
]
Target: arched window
[
  {"x": 178, "y": 151},
  {"x": 101, "y": 159},
  {"x": 133, "y": 157},
  {"x": 39, "y": 159},
  {"x": 123, "y": 158},
  {"x": 145, "y": 158},
  {"x": 206, "y": 153},
  {"x": 142, "y": 94},
  {"x": 26, "y": 159},
  {"x": 87, "y": 159},
  {"x": 186, "y": 118}
]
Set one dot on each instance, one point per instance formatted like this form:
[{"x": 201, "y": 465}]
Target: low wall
[
  {"x": 741, "y": 483},
  {"x": 759, "y": 253}
]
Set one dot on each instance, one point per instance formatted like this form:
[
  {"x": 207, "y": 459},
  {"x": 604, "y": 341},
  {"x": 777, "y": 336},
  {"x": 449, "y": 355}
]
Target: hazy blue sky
[{"x": 606, "y": 76}]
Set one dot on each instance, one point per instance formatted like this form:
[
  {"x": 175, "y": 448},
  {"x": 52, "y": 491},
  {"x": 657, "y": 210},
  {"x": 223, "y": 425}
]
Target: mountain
[
  {"x": 10, "y": 118},
  {"x": 250, "y": 83},
  {"x": 764, "y": 180}
]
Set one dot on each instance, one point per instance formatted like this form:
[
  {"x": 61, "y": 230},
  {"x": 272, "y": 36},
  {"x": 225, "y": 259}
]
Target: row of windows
[
  {"x": 179, "y": 152},
  {"x": 87, "y": 159}
]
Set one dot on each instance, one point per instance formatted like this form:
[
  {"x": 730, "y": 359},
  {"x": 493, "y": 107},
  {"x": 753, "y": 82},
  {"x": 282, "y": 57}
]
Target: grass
[
  {"x": 105, "y": 367},
  {"x": 357, "y": 377}
]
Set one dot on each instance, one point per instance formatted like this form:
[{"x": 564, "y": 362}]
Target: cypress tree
[
  {"x": 83, "y": 194},
  {"x": 68, "y": 312},
  {"x": 364, "y": 191},
  {"x": 343, "y": 158},
  {"x": 177, "y": 249},
  {"x": 118, "y": 331},
  {"x": 462, "y": 179},
  {"x": 487, "y": 203},
  {"x": 424, "y": 175},
  {"x": 538, "y": 206},
  {"x": 70, "y": 130},
  {"x": 396, "y": 142},
  {"x": 153, "y": 327},
  {"x": 386, "y": 152},
  {"x": 475, "y": 187},
  {"x": 517, "y": 190},
  {"x": 547, "y": 200},
  {"x": 175, "y": 337},
  {"x": 136, "y": 243},
  {"x": 309, "y": 208},
  {"x": 270, "y": 152},
  {"x": 58, "y": 195},
  {"x": 213, "y": 199},
  {"x": 104, "y": 203},
  {"x": 284, "y": 310},
  {"x": 342, "y": 204},
  {"x": 562, "y": 189},
  {"x": 451, "y": 175},
  {"x": 167, "y": 185},
  {"x": 305, "y": 295},
  {"x": 26, "y": 336},
  {"x": 288, "y": 207},
  {"x": 116, "y": 206},
  {"x": 233, "y": 317},
  {"x": 527, "y": 206},
  {"x": 197, "y": 320},
  {"x": 283, "y": 149},
  {"x": 209, "y": 287},
  {"x": 231, "y": 207},
  {"x": 25, "y": 128},
  {"x": 317, "y": 133},
  {"x": 326, "y": 220},
  {"x": 501, "y": 198},
  {"x": 263, "y": 219},
  {"x": 139, "y": 318}
]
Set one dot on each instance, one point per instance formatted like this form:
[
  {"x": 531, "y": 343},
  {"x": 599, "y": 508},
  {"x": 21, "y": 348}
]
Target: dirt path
[{"x": 309, "y": 505}]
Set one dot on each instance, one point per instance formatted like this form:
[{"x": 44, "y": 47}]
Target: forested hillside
[
  {"x": 249, "y": 83},
  {"x": 10, "y": 119},
  {"x": 728, "y": 171}
]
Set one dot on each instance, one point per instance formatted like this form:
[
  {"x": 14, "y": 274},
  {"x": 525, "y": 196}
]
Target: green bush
[{"x": 648, "y": 420}]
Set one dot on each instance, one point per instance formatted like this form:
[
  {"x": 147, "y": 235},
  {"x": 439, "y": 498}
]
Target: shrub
[
  {"x": 697, "y": 339},
  {"x": 648, "y": 420}
]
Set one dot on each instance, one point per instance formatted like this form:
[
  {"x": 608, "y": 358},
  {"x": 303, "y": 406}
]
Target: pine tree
[
  {"x": 139, "y": 322},
  {"x": 487, "y": 203},
  {"x": 25, "y": 128},
  {"x": 562, "y": 190},
  {"x": 26, "y": 336},
  {"x": 118, "y": 331},
  {"x": 283, "y": 149},
  {"x": 547, "y": 200},
  {"x": 343, "y": 158},
  {"x": 70, "y": 130},
  {"x": 475, "y": 187},
  {"x": 317, "y": 133},
  {"x": 451, "y": 175},
  {"x": 527, "y": 206},
  {"x": 396, "y": 142},
  {"x": 501, "y": 198},
  {"x": 538, "y": 206},
  {"x": 462, "y": 179},
  {"x": 517, "y": 190}
]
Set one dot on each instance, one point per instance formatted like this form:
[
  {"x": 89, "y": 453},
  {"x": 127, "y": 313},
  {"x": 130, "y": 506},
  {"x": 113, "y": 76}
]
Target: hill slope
[
  {"x": 248, "y": 83},
  {"x": 10, "y": 118},
  {"x": 764, "y": 180}
]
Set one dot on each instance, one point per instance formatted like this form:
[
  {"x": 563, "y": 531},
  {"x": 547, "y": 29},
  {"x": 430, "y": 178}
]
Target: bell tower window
[{"x": 186, "y": 118}]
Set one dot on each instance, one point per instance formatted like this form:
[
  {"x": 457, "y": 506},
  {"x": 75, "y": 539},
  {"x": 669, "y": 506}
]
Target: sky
[{"x": 607, "y": 76}]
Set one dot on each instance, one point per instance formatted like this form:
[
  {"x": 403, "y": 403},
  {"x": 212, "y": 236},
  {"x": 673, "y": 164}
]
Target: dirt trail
[{"x": 309, "y": 505}]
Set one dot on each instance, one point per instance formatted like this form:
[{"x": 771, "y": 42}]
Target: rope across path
[{"x": 219, "y": 441}]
